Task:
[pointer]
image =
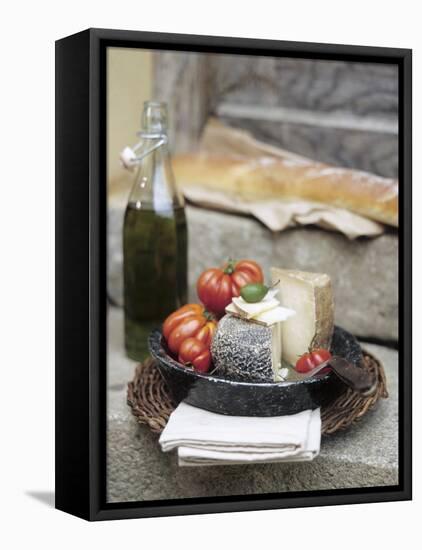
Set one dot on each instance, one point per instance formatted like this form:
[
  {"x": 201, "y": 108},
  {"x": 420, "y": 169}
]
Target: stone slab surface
[
  {"x": 364, "y": 272},
  {"x": 365, "y": 455}
]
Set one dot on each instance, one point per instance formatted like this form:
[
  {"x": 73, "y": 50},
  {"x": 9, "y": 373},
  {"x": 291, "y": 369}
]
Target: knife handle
[{"x": 357, "y": 378}]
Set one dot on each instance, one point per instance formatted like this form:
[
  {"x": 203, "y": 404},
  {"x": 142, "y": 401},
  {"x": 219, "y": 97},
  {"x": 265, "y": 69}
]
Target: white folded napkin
[{"x": 206, "y": 438}]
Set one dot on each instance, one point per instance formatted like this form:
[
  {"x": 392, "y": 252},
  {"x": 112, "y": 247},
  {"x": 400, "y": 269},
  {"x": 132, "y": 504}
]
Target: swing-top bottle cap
[
  {"x": 128, "y": 158},
  {"x": 154, "y": 117}
]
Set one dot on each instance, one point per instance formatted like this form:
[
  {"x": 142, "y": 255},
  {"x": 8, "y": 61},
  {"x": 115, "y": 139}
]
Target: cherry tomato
[
  {"x": 310, "y": 360},
  {"x": 195, "y": 353}
]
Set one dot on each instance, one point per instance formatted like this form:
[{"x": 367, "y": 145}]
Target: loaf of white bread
[{"x": 272, "y": 178}]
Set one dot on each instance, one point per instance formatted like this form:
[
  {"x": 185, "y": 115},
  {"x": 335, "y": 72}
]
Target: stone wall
[
  {"x": 364, "y": 272},
  {"x": 339, "y": 112}
]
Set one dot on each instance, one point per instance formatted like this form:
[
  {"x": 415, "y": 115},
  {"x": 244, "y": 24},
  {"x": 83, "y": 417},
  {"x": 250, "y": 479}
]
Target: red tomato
[
  {"x": 216, "y": 287},
  {"x": 196, "y": 353},
  {"x": 310, "y": 360},
  {"x": 189, "y": 321}
]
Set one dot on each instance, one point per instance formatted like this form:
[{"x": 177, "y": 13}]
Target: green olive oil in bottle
[{"x": 154, "y": 237}]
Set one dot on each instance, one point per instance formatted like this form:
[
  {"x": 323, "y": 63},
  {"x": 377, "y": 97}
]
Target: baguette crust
[{"x": 267, "y": 178}]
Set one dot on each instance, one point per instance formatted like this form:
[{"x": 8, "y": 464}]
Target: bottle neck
[
  {"x": 154, "y": 118},
  {"x": 154, "y": 187}
]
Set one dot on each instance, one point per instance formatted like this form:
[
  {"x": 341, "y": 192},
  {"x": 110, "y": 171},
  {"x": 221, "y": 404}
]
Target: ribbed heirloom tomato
[
  {"x": 191, "y": 320},
  {"x": 196, "y": 353},
  {"x": 216, "y": 287}
]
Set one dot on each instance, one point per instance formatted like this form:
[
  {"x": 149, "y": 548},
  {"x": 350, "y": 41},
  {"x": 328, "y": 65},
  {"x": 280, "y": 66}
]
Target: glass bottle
[{"x": 154, "y": 237}]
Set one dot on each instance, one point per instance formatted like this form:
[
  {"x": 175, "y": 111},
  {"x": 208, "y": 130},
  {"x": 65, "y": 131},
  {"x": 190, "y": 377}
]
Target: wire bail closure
[{"x": 128, "y": 157}]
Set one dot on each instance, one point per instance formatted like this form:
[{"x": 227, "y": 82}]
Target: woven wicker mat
[{"x": 152, "y": 404}]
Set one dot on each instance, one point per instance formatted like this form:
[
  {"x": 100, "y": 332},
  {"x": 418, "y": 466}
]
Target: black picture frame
[{"x": 81, "y": 272}]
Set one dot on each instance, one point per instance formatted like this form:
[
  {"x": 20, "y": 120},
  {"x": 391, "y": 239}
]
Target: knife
[{"x": 354, "y": 376}]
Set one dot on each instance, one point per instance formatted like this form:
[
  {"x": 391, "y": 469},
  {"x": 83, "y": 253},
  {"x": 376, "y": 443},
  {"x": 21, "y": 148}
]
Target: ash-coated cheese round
[{"x": 242, "y": 350}]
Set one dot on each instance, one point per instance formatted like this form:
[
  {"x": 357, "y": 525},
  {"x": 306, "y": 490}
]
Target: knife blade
[{"x": 354, "y": 376}]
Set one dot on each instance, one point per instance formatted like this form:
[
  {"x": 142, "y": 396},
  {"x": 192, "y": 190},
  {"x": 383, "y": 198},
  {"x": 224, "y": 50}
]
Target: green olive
[{"x": 253, "y": 292}]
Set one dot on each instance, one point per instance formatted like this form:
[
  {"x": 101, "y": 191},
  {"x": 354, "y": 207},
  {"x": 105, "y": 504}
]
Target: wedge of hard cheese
[{"x": 310, "y": 296}]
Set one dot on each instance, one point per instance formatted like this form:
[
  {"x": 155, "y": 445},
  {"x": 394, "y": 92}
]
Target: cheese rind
[
  {"x": 310, "y": 295},
  {"x": 247, "y": 351}
]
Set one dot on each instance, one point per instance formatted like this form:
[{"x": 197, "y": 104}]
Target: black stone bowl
[{"x": 224, "y": 396}]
